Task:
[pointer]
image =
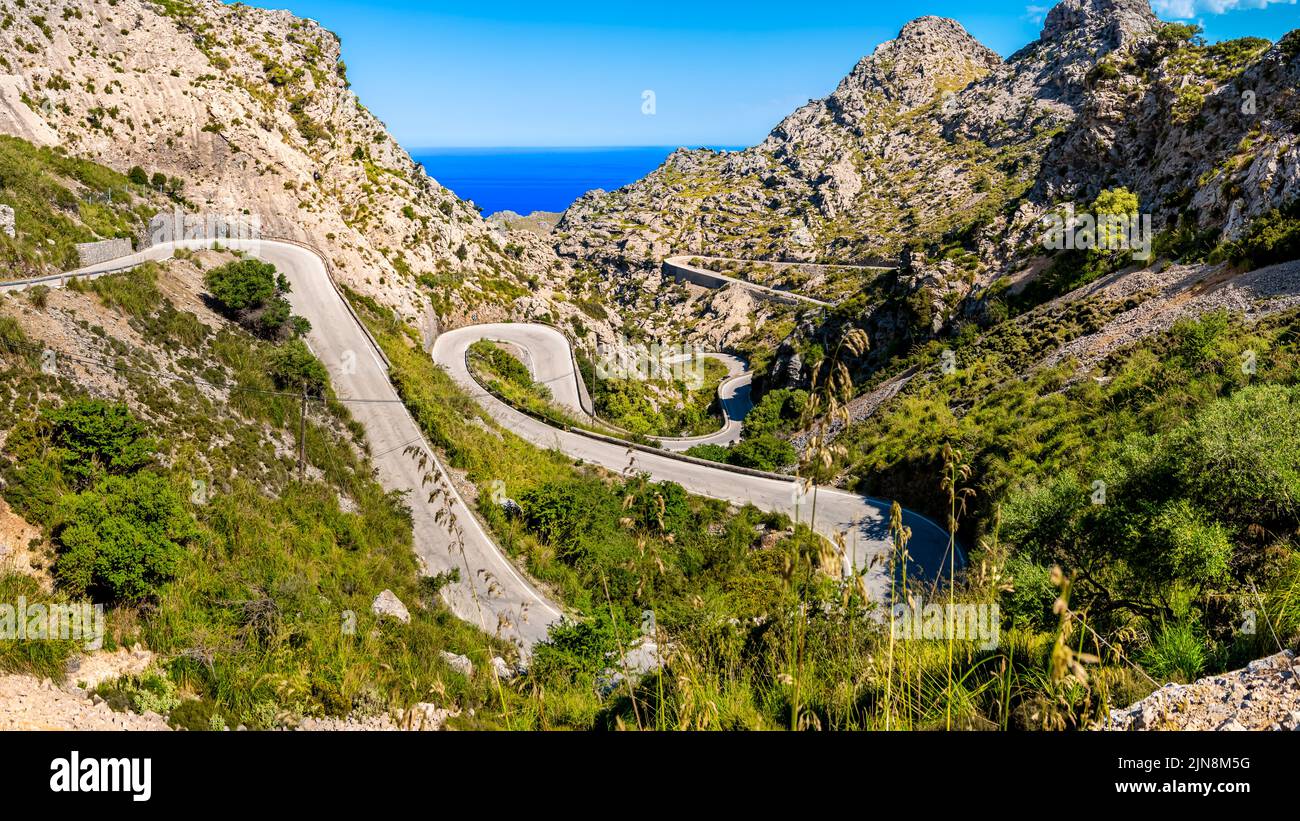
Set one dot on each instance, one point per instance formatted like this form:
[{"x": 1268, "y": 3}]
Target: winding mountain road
[
  {"x": 864, "y": 521},
  {"x": 733, "y": 398},
  {"x": 545, "y": 343},
  {"x": 492, "y": 592}
]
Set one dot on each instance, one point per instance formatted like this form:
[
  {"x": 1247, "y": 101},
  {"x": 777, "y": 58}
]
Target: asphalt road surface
[
  {"x": 492, "y": 592},
  {"x": 864, "y": 521}
]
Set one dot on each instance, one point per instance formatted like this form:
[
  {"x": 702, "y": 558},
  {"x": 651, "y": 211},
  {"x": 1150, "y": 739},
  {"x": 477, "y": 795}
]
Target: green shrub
[
  {"x": 13, "y": 340},
  {"x": 777, "y": 412},
  {"x": 1102, "y": 72},
  {"x": 1029, "y": 601},
  {"x": 1179, "y": 34},
  {"x": 1240, "y": 454},
  {"x": 765, "y": 452},
  {"x": 195, "y": 715},
  {"x": 1196, "y": 548},
  {"x": 253, "y": 294},
  {"x": 150, "y": 692},
  {"x": 710, "y": 452},
  {"x": 243, "y": 284},
  {"x": 123, "y": 538},
  {"x": 576, "y": 653},
  {"x": 293, "y": 366},
  {"x": 502, "y": 362},
  {"x": 88, "y": 439},
  {"x": 570, "y": 516},
  {"x": 667, "y": 405}
]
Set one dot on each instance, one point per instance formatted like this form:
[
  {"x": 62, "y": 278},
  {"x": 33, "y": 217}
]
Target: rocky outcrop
[
  {"x": 1264, "y": 696},
  {"x": 1043, "y": 84},
  {"x": 29, "y": 703},
  {"x": 422, "y": 717},
  {"x": 387, "y": 604},
  {"x": 461, "y": 664},
  {"x": 833, "y": 154}
]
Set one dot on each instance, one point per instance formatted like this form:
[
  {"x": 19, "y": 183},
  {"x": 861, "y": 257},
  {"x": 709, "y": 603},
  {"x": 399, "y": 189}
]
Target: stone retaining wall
[{"x": 94, "y": 253}]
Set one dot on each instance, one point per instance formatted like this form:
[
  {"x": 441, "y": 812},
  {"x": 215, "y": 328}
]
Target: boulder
[
  {"x": 503, "y": 670},
  {"x": 459, "y": 663},
  {"x": 387, "y": 604}
]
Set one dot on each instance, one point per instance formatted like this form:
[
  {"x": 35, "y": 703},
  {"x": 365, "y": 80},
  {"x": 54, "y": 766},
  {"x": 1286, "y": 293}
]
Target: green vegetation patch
[{"x": 60, "y": 201}]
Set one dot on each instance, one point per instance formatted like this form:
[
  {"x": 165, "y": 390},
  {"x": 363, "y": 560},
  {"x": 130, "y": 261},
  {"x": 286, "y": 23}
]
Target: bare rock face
[
  {"x": 1110, "y": 23},
  {"x": 1264, "y": 696},
  {"x": 931, "y": 55},
  {"x": 1043, "y": 84},
  {"x": 253, "y": 111}
]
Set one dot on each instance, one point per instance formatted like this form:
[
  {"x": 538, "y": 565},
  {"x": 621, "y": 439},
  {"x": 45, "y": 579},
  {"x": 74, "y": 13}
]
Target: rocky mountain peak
[
  {"x": 1045, "y": 83},
  {"x": 931, "y": 55},
  {"x": 1108, "y": 24}
]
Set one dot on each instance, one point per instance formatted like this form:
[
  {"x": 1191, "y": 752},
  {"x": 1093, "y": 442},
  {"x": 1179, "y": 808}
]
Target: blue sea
[{"x": 524, "y": 180}]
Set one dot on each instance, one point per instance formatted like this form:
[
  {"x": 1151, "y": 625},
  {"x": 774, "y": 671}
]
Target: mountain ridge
[{"x": 951, "y": 167}]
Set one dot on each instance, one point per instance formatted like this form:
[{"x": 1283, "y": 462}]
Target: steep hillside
[
  {"x": 151, "y": 447},
  {"x": 58, "y": 201},
  {"x": 248, "y": 112}
]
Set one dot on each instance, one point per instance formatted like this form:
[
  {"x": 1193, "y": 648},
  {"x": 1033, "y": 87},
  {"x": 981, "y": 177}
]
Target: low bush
[
  {"x": 253, "y": 294},
  {"x": 122, "y": 539}
]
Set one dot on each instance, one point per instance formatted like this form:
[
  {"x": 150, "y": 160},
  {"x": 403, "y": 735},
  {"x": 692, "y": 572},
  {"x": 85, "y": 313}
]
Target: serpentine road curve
[
  {"x": 545, "y": 344},
  {"x": 492, "y": 592},
  {"x": 865, "y": 521}
]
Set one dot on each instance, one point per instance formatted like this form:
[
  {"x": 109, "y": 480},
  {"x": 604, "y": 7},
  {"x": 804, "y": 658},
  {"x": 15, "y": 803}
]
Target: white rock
[
  {"x": 502, "y": 669},
  {"x": 425, "y": 716},
  {"x": 459, "y": 663},
  {"x": 387, "y": 604}
]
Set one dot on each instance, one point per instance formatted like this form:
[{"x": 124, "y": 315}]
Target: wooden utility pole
[{"x": 302, "y": 435}]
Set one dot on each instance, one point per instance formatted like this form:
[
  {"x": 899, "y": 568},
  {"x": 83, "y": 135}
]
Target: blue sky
[{"x": 723, "y": 72}]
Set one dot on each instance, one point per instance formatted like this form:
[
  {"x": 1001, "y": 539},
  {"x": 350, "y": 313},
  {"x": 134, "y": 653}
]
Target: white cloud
[
  {"x": 1035, "y": 14},
  {"x": 1187, "y": 9}
]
